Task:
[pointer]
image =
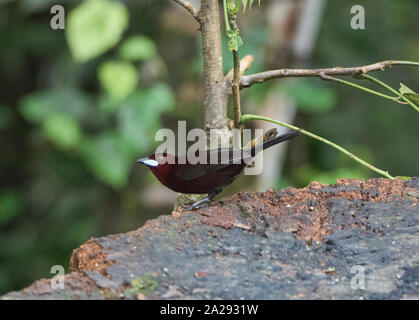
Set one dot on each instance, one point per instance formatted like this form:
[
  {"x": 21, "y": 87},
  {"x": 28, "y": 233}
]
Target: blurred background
[{"x": 78, "y": 106}]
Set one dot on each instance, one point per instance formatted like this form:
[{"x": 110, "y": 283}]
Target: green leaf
[
  {"x": 250, "y": 4},
  {"x": 107, "y": 158},
  {"x": 231, "y": 6},
  {"x": 309, "y": 97},
  {"x": 239, "y": 41},
  {"x": 118, "y": 78},
  {"x": 94, "y": 27},
  {"x": 405, "y": 89},
  {"x": 409, "y": 93},
  {"x": 138, "y": 48},
  {"x": 63, "y": 130},
  {"x": 11, "y": 204},
  {"x": 244, "y": 5},
  {"x": 37, "y": 106},
  {"x": 235, "y": 41}
]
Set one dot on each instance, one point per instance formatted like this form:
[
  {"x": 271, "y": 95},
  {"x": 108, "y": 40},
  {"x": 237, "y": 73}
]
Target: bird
[{"x": 182, "y": 176}]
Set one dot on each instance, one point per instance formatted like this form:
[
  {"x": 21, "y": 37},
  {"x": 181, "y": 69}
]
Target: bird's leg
[{"x": 202, "y": 203}]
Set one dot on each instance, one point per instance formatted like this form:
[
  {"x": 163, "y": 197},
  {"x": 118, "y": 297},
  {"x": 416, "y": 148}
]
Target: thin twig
[
  {"x": 249, "y": 80},
  {"x": 188, "y": 5},
  {"x": 379, "y": 82},
  {"x": 245, "y": 63},
  {"x": 248, "y": 117},
  {"x": 236, "y": 78},
  {"x": 409, "y": 102},
  {"x": 236, "y": 89},
  {"x": 327, "y": 77}
]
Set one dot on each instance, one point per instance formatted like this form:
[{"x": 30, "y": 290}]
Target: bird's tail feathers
[{"x": 271, "y": 142}]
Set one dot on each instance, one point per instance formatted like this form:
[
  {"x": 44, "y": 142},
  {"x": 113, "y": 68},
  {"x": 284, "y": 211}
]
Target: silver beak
[{"x": 148, "y": 162}]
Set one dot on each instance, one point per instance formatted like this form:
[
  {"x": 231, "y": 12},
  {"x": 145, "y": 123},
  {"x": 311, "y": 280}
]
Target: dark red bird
[{"x": 179, "y": 175}]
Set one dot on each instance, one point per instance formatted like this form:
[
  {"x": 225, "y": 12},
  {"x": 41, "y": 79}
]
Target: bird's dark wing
[
  {"x": 225, "y": 156},
  {"x": 198, "y": 170}
]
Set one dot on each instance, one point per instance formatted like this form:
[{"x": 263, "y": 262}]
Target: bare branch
[
  {"x": 188, "y": 5},
  {"x": 236, "y": 77},
  {"x": 249, "y": 80}
]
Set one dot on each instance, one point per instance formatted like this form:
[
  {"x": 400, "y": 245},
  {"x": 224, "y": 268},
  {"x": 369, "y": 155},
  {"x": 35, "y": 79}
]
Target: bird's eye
[{"x": 161, "y": 159}]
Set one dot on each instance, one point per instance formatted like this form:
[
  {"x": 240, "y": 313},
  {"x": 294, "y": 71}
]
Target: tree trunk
[{"x": 216, "y": 86}]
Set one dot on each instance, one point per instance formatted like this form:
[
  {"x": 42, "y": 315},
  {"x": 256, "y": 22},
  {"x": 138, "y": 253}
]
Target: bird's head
[{"x": 160, "y": 164}]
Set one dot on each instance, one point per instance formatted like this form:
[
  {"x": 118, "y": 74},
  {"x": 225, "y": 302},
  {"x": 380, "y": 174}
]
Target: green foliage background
[{"x": 77, "y": 107}]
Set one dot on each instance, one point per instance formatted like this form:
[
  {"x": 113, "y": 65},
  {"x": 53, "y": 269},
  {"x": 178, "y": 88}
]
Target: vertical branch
[
  {"x": 216, "y": 89},
  {"x": 236, "y": 78}
]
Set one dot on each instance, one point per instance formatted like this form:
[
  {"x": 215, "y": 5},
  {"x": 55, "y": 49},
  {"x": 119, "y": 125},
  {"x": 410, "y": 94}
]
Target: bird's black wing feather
[{"x": 232, "y": 156}]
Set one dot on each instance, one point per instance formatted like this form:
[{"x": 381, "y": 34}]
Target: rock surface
[{"x": 352, "y": 240}]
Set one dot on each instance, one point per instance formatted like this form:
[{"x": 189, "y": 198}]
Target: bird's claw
[
  {"x": 203, "y": 202},
  {"x": 197, "y": 205},
  {"x": 194, "y": 207}
]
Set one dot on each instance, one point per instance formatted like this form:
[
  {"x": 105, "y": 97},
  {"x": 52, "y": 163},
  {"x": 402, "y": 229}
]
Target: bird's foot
[
  {"x": 186, "y": 209},
  {"x": 204, "y": 202},
  {"x": 197, "y": 205}
]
